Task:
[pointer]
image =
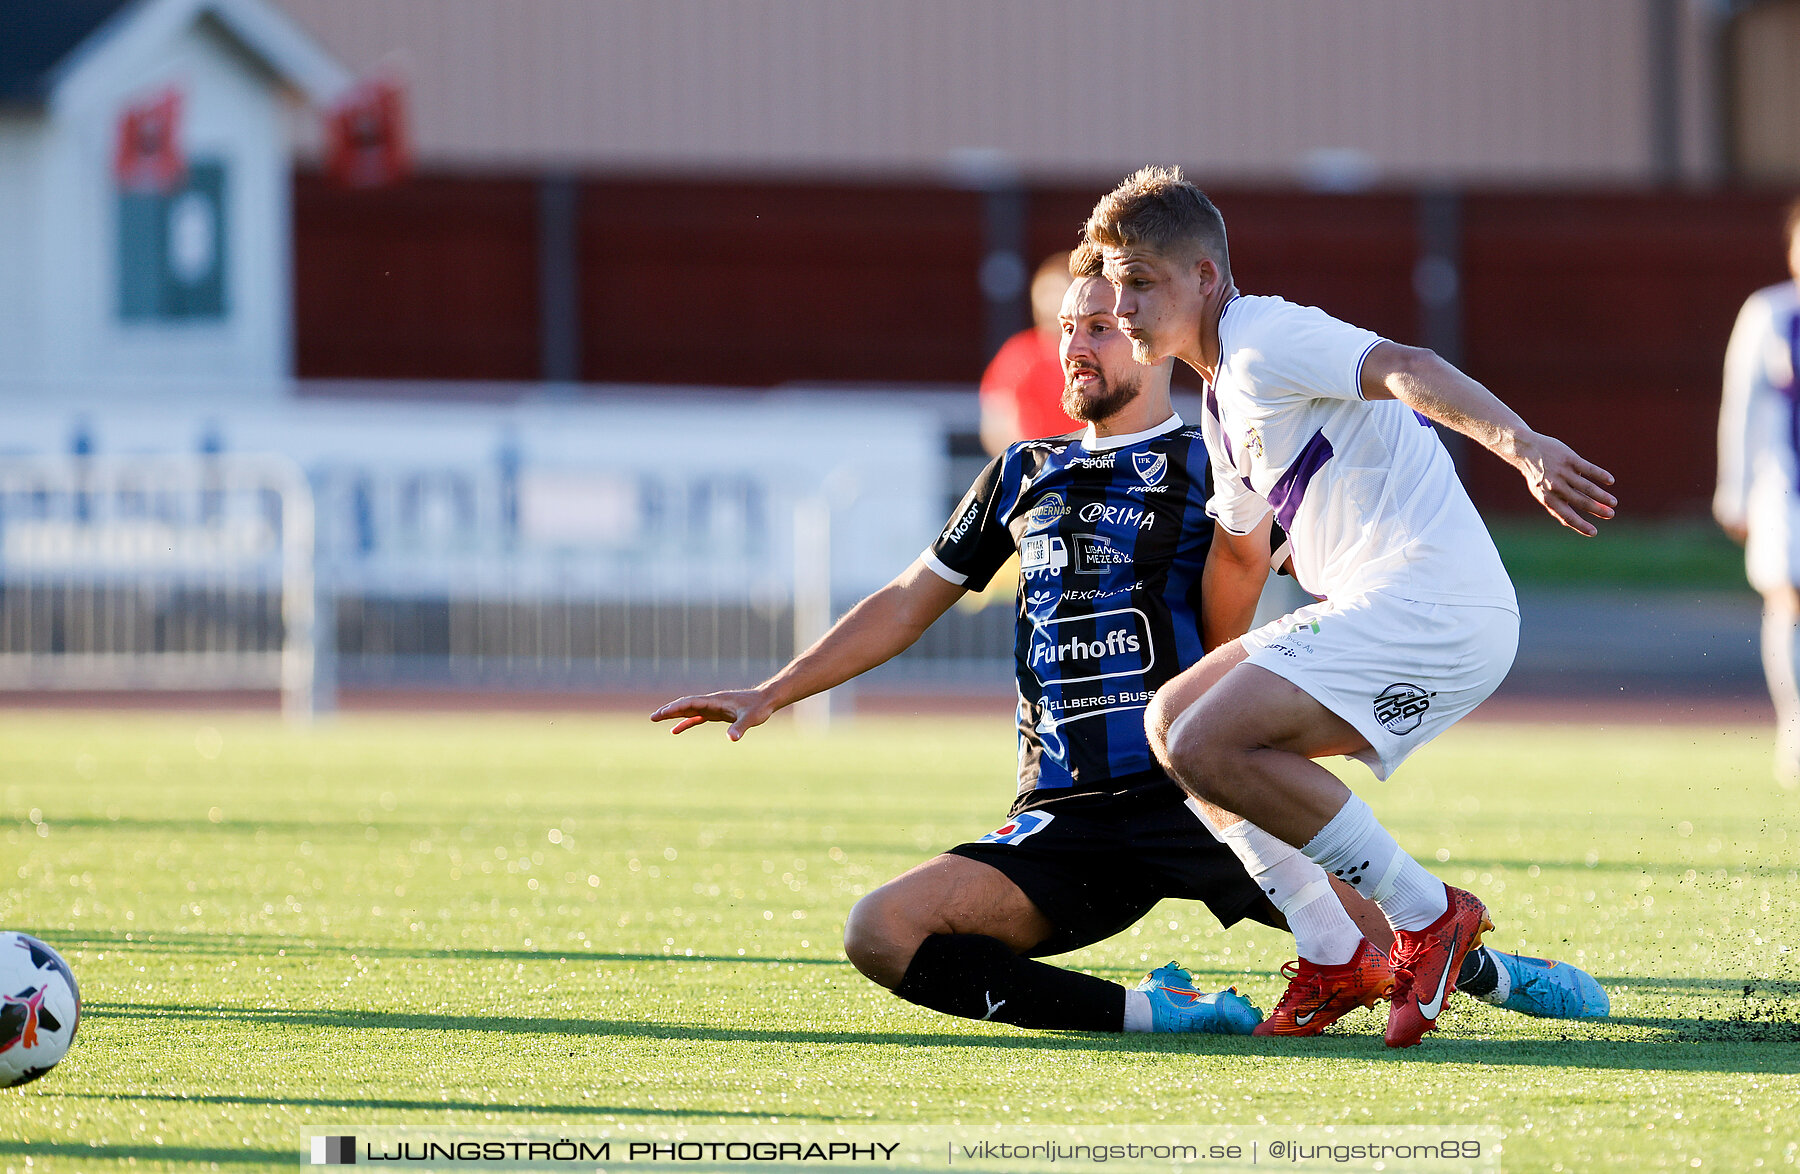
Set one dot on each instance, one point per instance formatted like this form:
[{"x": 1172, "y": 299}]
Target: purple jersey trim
[
  {"x": 1212, "y": 406},
  {"x": 1792, "y": 393},
  {"x": 1286, "y": 494}
]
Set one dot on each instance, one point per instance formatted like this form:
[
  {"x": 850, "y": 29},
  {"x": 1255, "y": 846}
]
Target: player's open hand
[
  {"x": 1564, "y": 483},
  {"x": 743, "y": 708}
]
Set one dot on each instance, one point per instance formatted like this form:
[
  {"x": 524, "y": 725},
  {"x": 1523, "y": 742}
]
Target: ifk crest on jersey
[{"x": 1150, "y": 466}]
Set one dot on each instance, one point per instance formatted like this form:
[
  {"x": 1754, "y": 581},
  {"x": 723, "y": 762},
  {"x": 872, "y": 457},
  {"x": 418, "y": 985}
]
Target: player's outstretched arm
[
  {"x": 1564, "y": 483},
  {"x": 871, "y": 633}
]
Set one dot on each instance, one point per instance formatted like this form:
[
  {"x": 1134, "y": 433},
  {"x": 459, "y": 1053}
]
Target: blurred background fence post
[{"x": 812, "y": 596}]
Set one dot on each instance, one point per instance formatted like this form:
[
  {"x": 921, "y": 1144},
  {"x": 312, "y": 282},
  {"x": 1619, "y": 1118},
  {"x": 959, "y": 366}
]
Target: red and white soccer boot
[
  {"x": 1426, "y": 963},
  {"x": 1318, "y": 996}
]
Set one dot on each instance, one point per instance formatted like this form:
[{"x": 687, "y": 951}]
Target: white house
[{"x": 109, "y": 292}]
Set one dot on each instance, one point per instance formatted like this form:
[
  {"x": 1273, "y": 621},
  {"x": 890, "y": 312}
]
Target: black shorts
[{"x": 1095, "y": 863}]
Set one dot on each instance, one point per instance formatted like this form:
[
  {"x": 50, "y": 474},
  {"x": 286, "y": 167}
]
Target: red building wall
[
  {"x": 1600, "y": 317},
  {"x": 1603, "y": 319},
  {"x": 759, "y": 284},
  {"x": 434, "y": 279}
]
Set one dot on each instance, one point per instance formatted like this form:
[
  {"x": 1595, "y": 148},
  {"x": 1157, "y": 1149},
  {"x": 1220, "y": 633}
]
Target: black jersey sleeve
[{"x": 976, "y": 542}]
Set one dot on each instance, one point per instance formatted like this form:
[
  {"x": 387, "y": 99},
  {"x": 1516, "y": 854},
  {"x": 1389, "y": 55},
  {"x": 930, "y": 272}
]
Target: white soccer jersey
[
  {"x": 1759, "y": 436},
  {"x": 1367, "y": 494}
]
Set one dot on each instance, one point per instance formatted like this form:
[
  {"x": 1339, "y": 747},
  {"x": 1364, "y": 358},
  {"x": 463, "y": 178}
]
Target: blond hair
[
  {"x": 1085, "y": 261},
  {"x": 1158, "y": 209}
]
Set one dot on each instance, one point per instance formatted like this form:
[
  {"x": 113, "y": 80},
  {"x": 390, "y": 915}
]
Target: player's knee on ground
[{"x": 880, "y": 938}]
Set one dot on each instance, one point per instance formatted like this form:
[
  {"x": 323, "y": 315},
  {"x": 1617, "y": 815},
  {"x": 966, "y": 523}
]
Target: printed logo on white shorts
[
  {"x": 1026, "y": 823},
  {"x": 1401, "y": 707}
]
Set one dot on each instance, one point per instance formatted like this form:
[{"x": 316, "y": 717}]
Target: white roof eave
[{"x": 287, "y": 50}]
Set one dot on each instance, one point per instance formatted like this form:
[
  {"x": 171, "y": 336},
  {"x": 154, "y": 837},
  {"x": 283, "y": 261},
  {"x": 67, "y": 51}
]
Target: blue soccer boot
[
  {"x": 1551, "y": 990},
  {"x": 1176, "y": 1006}
]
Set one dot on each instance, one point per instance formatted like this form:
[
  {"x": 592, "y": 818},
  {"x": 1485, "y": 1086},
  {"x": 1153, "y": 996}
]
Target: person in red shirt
[{"x": 1021, "y": 390}]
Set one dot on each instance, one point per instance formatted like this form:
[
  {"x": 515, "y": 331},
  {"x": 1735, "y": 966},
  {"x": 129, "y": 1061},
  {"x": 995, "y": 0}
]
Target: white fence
[
  {"x": 646, "y": 540},
  {"x": 200, "y": 573},
  {"x": 158, "y": 573}
]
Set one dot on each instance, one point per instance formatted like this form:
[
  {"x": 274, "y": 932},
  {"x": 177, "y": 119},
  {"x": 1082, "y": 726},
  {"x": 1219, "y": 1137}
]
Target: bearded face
[
  {"x": 1099, "y": 375},
  {"x": 1090, "y": 393}
]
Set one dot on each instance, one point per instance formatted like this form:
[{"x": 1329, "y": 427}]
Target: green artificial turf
[
  {"x": 572, "y": 927},
  {"x": 1675, "y": 553}
]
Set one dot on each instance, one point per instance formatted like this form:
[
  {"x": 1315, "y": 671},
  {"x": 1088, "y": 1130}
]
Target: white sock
[
  {"x": 1137, "y": 1011},
  {"x": 1780, "y": 637},
  {"x": 1359, "y": 850},
  {"x": 1323, "y": 932}
]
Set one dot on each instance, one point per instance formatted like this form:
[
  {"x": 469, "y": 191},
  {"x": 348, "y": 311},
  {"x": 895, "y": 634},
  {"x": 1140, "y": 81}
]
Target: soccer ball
[{"x": 39, "y": 1008}]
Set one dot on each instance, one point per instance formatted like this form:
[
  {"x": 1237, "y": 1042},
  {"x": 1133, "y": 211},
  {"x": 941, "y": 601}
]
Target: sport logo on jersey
[
  {"x": 1026, "y": 823},
  {"x": 1118, "y": 515},
  {"x": 1094, "y": 554},
  {"x": 1253, "y": 442},
  {"x": 1150, "y": 466},
  {"x": 1049, "y": 741},
  {"x": 1048, "y": 509},
  {"x": 1092, "y": 648},
  {"x": 954, "y": 531},
  {"x": 1042, "y": 554},
  {"x": 1401, "y": 706}
]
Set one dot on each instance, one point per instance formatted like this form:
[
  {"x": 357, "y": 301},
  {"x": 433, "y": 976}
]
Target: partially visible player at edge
[
  {"x": 1325, "y": 428},
  {"x": 1757, "y": 501},
  {"x": 1098, "y": 833}
]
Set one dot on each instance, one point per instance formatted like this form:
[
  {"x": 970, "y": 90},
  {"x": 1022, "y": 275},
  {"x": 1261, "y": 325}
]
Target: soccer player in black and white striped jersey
[{"x": 1113, "y": 540}]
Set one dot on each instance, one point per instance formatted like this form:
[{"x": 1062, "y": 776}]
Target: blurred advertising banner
[{"x": 672, "y": 495}]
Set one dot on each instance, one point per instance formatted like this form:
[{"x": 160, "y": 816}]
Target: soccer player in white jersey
[
  {"x": 1097, "y": 833},
  {"x": 1758, "y": 495},
  {"x": 1323, "y": 426}
]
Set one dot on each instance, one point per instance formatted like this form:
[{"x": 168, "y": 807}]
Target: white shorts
[{"x": 1400, "y": 671}]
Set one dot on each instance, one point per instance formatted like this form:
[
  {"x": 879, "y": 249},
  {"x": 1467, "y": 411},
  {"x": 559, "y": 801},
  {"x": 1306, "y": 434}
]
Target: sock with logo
[
  {"x": 978, "y": 977},
  {"x": 1355, "y": 848},
  {"x": 1323, "y": 932}
]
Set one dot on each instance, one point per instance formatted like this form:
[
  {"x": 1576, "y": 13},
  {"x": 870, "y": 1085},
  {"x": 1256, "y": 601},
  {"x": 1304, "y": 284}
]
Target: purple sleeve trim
[{"x": 1360, "y": 360}]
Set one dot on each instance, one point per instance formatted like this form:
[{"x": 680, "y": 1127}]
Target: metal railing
[
  {"x": 203, "y": 572},
  {"x": 151, "y": 572}
]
